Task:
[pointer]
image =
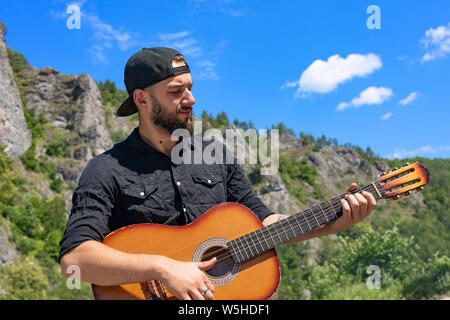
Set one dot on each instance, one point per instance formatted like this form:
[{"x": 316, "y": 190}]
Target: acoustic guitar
[{"x": 247, "y": 266}]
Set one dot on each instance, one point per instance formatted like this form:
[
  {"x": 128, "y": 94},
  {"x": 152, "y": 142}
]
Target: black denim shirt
[{"x": 134, "y": 183}]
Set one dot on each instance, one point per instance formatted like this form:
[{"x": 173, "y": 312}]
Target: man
[{"x": 136, "y": 181}]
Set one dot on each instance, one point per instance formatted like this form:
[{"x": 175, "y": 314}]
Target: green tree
[
  {"x": 5, "y": 161},
  {"x": 293, "y": 263},
  {"x": 431, "y": 280},
  {"x": 23, "y": 281},
  {"x": 390, "y": 251},
  {"x": 17, "y": 60},
  {"x": 27, "y": 217},
  {"x": 3, "y": 29},
  {"x": 57, "y": 145}
]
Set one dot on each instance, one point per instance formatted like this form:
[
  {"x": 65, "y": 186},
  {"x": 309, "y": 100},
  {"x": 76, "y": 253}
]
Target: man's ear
[{"x": 141, "y": 99}]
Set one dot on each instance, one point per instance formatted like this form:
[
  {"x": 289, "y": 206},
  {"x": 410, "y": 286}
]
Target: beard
[{"x": 167, "y": 121}]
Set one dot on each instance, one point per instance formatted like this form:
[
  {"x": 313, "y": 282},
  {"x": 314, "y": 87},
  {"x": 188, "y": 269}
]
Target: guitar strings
[
  {"x": 282, "y": 222},
  {"x": 309, "y": 217}
]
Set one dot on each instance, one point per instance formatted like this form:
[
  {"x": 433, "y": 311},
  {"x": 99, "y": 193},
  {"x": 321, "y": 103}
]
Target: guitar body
[{"x": 255, "y": 279}]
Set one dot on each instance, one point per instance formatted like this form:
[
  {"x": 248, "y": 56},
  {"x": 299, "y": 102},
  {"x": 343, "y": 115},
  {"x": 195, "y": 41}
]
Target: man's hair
[{"x": 179, "y": 58}]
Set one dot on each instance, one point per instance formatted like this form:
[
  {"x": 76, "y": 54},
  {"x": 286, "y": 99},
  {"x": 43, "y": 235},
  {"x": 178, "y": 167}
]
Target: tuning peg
[
  {"x": 395, "y": 168},
  {"x": 406, "y": 164},
  {"x": 419, "y": 189},
  {"x": 407, "y": 194},
  {"x": 395, "y": 198}
]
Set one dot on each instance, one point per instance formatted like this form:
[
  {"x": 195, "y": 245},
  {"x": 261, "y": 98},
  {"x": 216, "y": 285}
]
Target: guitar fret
[
  {"x": 312, "y": 211},
  {"x": 299, "y": 224},
  {"x": 324, "y": 213},
  {"x": 293, "y": 232},
  {"x": 257, "y": 238},
  {"x": 282, "y": 228},
  {"x": 254, "y": 244},
  {"x": 238, "y": 250},
  {"x": 249, "y": 246},
  {"x": 312, "y": 221},
  {"x": 270, "y": 234},
  {"x": 264, "y": 237},
  {"x": 334, "y": 212},
  {"x": 273, "y": 227},
  {"x": 243, "y": 247},
  {"x": 306, "y": 220}
]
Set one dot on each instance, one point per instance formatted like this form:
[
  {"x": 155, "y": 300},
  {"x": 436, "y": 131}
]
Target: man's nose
[{"x": 188, "y": 98}]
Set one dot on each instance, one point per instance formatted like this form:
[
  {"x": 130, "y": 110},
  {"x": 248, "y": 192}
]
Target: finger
[
  {"x": 210, "y": 285},
  {"x": 209, "y": 295},
  {"x": 353, "y": 186},
  {"x": 371, "y": 201},
  {"x": 362, "y": 205},
  {"x": 354, "y": 205},
  {"x": 186, "y": 297},
  {"x": 346, "y": 210},
  {"x": 196, "y": 294},
  {"x": 206, "y": 265}
]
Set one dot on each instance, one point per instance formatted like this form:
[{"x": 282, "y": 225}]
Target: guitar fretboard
[{"x": 261, "y": 240}]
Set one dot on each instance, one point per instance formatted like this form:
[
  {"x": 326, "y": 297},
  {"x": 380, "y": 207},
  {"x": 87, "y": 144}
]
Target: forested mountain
[{"x": 63, "y": 121}]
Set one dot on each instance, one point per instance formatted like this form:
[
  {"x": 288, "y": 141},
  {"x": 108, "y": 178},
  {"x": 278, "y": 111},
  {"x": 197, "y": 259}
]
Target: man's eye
[{"x": 175, "y": 92}]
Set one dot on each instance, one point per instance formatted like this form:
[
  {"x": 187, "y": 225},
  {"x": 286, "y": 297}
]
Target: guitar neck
[{"x": 266, "y": 238}]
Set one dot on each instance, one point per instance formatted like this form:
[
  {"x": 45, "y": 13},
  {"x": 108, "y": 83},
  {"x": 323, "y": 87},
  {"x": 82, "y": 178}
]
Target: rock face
[
  {"x": 70, "y": 103},
  {"x": 7, "y": 252},
  {"x": 14, "y": 133}
]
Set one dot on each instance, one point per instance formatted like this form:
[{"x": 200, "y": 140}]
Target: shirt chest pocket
[
  {"x": 207, "y": 189},
  {"x": 142, "y": 201}
]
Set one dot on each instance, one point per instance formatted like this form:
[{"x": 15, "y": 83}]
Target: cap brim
[{"x": 127, "y": 108}]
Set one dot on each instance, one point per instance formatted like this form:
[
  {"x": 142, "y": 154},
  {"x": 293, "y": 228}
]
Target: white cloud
[
  {"x": 371, "y": 95},
  {"x": 97, "y": 55},
  {"x": 425, "y": 150},
  {"x": 325, "y": 76},
  {"x": 410, "y": 98},
  {"x": 103, "y": 35},
  {"x": 437, "y": 41},
  {"x": 171, "y": 36},
  {"x": 207, "y": 70},
  {"x": 106, "y": 35},
  {"x": 181, "y": 41},
  {"x": 386, "y": 116},
  {"x": 188, "y": 46}
]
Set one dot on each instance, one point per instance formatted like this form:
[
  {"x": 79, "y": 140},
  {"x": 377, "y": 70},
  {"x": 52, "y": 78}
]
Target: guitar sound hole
[{"x": 224, "y": 263}]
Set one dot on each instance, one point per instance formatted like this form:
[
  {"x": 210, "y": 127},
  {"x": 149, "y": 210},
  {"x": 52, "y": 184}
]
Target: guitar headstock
[{"x": 403, "y": 180}]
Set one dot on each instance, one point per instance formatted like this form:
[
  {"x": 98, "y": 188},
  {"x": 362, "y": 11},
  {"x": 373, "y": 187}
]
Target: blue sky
[{"x": 316, "y": 66}]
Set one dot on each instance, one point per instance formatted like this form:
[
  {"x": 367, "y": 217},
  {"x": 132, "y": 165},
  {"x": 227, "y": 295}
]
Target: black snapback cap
[{"x": 147, "y": 67}]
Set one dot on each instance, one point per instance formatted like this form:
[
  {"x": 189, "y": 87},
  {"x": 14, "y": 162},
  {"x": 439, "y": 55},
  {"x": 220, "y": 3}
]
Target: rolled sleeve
[
  {"x": 240, "y": 190},
  {"x": 92, "y": 205}
]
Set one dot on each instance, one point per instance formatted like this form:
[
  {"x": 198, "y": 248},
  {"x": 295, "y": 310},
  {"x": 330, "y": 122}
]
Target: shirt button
[
  {"x": 178, "y": 183},
  {"x": 184, "y": 209},
  {"x": 209, "y": 181},
  {"x": 142, "y": 194}
]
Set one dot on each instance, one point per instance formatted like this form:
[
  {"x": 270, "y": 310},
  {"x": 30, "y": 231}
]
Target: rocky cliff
[
  {"x": 70, "y": 108},
  {"x": 14, "y": 134}
]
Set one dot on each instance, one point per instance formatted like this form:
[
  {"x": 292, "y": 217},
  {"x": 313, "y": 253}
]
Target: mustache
[{"x": 184, "y": 109}]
